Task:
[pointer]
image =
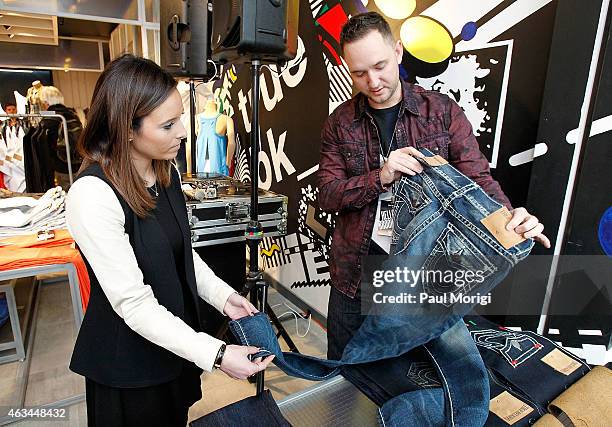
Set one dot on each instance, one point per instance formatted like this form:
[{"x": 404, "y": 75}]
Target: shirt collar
[{"x": 408, "y": 102}]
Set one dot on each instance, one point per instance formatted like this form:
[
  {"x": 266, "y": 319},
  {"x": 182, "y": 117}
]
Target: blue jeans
[
  {"x": 461, "y": 401},
  {"x": 437, "y": 228},
  {"x": 515, "y": 359}
]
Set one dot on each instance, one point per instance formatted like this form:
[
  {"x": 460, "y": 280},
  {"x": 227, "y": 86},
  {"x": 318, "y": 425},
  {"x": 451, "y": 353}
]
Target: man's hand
[
  {"x": 400, "y": 161},
  {"x": 238, "y": 306},
  {"x": 528, "y": 226}
]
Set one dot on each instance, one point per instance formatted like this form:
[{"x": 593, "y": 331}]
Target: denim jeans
[
  {"x": 499, "y": 386},
  {"x": 437, "y": 228},
  {"x": 515, "y": 358},
  {"x": 255, "y": 410},
  {"x": 461, "y": 401},
  {"x": 381, "y": 380}
]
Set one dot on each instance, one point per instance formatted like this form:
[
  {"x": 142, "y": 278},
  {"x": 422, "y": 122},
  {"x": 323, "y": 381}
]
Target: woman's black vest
[{"x": 107, "y": 350}]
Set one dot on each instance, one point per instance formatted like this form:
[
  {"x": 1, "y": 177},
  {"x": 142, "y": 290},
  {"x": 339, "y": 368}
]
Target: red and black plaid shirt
[{"x": 349, "y": 167}]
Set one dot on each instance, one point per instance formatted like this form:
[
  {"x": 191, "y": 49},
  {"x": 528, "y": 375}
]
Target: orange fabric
[{"x": 26, "y": 251}]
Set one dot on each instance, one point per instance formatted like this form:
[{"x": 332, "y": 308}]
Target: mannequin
[
  {"x": 33, "y": 97},
  {"x": 216, "y": 141}
]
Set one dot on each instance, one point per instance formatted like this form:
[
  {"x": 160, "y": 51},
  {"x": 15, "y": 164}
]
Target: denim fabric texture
[{"x": 253, "y": 411}]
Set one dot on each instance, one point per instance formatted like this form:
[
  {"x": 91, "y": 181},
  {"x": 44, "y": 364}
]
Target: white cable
[{"x": 296, "y": 315}]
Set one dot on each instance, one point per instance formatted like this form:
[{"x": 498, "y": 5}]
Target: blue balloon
[{"x": 468, "y": 32}]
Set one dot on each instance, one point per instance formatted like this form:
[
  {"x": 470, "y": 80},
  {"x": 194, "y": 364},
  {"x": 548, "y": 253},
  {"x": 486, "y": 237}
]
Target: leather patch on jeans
[
  {"x": 509, "y": 408},
  {"x": 496, "y": 224},
  {"x": 561, "y": 362},
  {"x": 435, "y": 160}
]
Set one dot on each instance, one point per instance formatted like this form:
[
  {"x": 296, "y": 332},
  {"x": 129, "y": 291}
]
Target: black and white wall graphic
[{"x": 491, "y": 56}]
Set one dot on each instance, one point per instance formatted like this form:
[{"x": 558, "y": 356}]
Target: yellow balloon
[
  {"x": 396, "y": 9},
  {"x": 426, "y": 39}
]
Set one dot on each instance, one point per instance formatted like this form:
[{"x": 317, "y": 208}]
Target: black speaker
[
  {"x": 185, "y": 28},
  {"x": 254, "y": 29}
]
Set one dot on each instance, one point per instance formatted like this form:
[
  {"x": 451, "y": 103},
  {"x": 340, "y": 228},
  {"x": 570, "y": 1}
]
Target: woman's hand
[
  {"x": 235, "y": 362},
  {"x": 238, "y": 306}
]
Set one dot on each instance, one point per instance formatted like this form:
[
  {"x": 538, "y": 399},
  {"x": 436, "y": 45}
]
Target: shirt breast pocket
[
  {"x": 437, "y": 144},
  {"x": 354, "y": 158}
]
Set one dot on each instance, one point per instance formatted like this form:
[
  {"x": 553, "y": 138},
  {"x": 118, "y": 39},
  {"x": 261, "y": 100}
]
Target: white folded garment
[{"x": 23, "y": 211}]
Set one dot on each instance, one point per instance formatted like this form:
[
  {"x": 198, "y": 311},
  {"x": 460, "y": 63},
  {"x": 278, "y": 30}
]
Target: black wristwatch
[{"x": 219, "y": 357}]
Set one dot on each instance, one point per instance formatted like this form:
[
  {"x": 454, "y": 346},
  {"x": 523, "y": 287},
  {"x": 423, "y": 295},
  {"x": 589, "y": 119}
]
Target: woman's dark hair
[
  {"x": 128, "y": 89},
  {"x": 360, "y": 25}
]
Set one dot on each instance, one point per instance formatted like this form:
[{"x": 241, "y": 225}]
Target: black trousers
[
  {"x": 344, "y": 315},
  {"x": 163, "y": 405}
]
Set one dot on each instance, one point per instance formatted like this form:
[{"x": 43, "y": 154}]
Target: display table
[
  {"x": 335, "y": 402},
  {"x": 26, "y": 256}
]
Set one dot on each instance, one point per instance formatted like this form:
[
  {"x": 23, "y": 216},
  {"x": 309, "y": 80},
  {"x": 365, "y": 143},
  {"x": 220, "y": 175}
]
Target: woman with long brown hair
[{"x": 140, "y": 347}]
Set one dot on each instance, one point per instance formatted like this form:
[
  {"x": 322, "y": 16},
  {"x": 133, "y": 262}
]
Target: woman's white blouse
[{"x": 96, "y": 221}]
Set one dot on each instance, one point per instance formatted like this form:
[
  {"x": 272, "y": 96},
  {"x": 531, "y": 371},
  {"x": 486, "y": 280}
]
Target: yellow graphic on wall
[{"x": 426, "y": 39}]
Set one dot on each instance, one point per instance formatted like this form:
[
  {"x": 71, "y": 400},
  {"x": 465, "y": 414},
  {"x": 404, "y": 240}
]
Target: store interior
[{"x": 533, "y": 77}]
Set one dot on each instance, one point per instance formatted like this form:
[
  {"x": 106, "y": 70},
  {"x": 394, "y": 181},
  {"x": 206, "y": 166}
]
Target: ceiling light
[
  {"x": 7, "y": 70},
  {"x": 11, "y": 36}
]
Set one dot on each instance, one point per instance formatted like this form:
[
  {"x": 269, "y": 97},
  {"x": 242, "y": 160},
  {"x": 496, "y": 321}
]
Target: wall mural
[{"x": 471, "y": 51}]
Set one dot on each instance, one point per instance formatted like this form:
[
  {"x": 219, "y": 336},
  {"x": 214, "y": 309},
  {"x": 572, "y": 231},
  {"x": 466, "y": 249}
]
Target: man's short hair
[
  {"x": 360, "y": 25},
  {"x": 51, "y": 95},
  {"x": 9, "y": 104}
]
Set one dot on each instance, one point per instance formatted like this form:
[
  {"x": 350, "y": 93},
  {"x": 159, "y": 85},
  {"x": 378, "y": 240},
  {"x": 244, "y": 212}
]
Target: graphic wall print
[
  {"x": 480, "y": 53},
  {"x": 478, "y": 81}
]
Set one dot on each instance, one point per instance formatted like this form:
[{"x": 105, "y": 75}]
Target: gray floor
[{"x": 50, "y": 380}]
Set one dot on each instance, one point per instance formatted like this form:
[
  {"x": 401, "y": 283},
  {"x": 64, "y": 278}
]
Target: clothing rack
[{"x": 44, "y": 114}]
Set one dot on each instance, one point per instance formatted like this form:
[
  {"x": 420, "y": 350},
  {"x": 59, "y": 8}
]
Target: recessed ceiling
[{"x": 17, "y": 27}]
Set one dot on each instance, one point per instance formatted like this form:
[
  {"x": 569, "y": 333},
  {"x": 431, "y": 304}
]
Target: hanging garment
[
  {"x": 211, "y": 148},
  {"x": 12, "y": 160},
  {"x": 37, "y": 161}
]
